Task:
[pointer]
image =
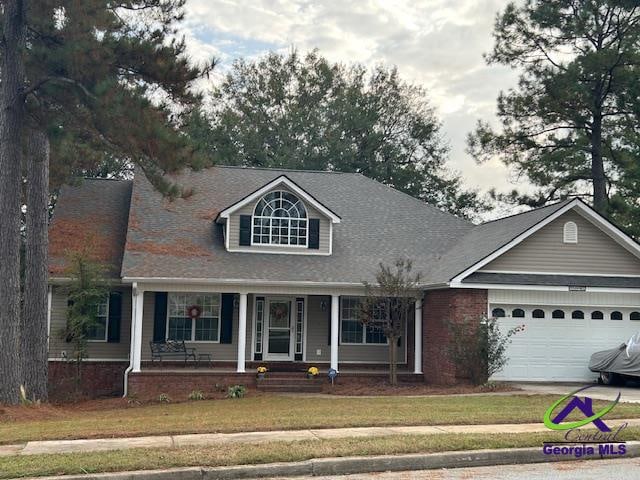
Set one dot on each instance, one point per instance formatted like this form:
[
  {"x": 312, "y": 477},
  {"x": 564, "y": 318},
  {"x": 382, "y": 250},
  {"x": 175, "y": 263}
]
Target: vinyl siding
[
  {"x": 545, "y": 251},
  {"x": 318, "y": 339},
  {"x": 95, "y": 350},
  {"x": 234, "y": 231},
  {"x": 218, "y": 351}
]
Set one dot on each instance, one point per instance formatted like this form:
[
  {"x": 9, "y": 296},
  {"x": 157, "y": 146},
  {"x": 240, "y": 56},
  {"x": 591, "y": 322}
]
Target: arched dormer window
[
  {"x": 570, "y": 233},
  {"x": 280, "y": 218}
]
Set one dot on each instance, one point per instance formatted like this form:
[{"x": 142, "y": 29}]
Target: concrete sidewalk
[{"x": 204, "y": 439}]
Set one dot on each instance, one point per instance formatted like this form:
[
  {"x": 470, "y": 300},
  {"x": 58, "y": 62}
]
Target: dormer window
[{"x": 280, "y": 218}]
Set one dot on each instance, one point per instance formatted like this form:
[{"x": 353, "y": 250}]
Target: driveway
[{"x": 629, "y": 394}]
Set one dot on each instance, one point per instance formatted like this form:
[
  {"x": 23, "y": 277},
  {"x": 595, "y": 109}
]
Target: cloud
[{"x": 436, "y": 43}]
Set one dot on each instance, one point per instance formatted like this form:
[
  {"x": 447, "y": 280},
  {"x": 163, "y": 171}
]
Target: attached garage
[{"x": 562, "y": 330}]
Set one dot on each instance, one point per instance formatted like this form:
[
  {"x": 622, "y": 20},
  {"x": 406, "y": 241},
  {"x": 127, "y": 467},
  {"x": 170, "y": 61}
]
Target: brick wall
[
  {"x": 439, "y": 308},
  {"x": 98, "y": 379}
]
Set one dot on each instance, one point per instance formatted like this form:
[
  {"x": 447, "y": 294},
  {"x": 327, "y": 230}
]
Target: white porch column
[
  {"x": 417, "y": 338},
  {"x": 242, "y": 332},
  {"x": 137, "y": 303},
  {"x": 335, "y": 330}
]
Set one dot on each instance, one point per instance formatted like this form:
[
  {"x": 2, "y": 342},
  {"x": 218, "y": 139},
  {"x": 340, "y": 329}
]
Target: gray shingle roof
[
  {"x": 484, "y": 239},
  {"x": 93, "y": 214},
  {"x": 180, "y": 240},
  {"x": 561, "y": 280}
]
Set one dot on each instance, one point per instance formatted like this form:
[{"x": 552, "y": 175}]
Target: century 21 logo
[{"x": 585, "y": 406}]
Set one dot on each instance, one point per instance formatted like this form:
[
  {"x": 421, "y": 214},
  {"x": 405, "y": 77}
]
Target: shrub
[
  {"x": 236, "y": 391},
  {"x": 478, "y": 347},
  {"x": 196, "y": 395},
  {"x": 164, "y": 398}
]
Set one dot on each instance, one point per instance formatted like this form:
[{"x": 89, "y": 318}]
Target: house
[{"x": 274, "y": 261}]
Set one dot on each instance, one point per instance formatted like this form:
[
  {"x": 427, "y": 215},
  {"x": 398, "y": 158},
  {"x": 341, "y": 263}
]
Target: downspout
[{"x": 134, "y": 294}]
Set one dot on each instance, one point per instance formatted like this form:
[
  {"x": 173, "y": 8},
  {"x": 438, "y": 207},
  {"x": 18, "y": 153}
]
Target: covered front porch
[{"x": 232, "y": 330}]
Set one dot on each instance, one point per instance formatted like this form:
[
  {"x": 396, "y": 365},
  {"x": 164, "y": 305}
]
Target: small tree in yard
[
  {"x": 388, "y": 305},
  {"x": 87, "y": 290},
  {"x": 478, "y": 347}
]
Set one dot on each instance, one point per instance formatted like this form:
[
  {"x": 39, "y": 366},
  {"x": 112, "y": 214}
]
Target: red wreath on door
[{"x": 194, "y": 311}]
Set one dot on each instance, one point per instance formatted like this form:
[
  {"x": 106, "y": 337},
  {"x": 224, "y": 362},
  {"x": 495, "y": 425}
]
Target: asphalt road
[{"x": 621, "y": 468}]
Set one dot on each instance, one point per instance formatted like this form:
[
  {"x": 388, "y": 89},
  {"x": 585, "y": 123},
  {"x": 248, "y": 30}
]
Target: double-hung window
[
  {"x": 352, "y": 331},
  {"x": 203, "y": 328},
  {"x": 97, "y": 331}
]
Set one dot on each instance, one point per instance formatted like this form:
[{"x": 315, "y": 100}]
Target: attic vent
[{"x": 570, "y": 232}]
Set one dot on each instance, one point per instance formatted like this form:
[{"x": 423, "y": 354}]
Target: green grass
[
  {"x": 283, "y": 413},
  {"x": 238, "y": 454}
]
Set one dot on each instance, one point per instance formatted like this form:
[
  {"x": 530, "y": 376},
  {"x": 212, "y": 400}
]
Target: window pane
[
  {"x": 497, "y": 312},
  {"x": 179, "y": 328},
  {"x": 597, "y": 315},
  {"x": 634, "y": 316},
  {"x": 616, "y": 315},
  {"x": 375, "y": 335},
  {"x": 578, "y": 314},
  {"x": 537, "y": 313},
  {"x": 207, "y": 329},
  {"x": 98, "y": 330},
  {"x": 351, "y": 331},
  {"x": 518, "y": 313},
  {"x": 557, "y": 314}
]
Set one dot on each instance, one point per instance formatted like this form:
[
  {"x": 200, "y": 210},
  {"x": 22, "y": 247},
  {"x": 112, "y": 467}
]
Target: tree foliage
[
  {"x": 304, "y": 112},
  {"x": 389, "y": 304},
  {"x": 570, "y": 125},
  {"x": 478, "y": 347}
]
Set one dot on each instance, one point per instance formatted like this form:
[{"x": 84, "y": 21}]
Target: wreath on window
[{"x": 194, "y": 311}]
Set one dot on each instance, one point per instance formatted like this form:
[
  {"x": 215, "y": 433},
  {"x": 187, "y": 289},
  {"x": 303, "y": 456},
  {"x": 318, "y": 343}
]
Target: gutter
[{"x": 134, "y": 294}]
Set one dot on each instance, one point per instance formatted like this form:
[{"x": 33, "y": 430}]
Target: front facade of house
[{"x": 266, "y": 267}]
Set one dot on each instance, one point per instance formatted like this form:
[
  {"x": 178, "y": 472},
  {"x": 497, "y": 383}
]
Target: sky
[{"x": 435, "y": 43}]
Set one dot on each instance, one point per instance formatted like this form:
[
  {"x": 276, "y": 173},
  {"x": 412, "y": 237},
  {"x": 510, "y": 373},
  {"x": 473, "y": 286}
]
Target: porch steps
[{"x": 289, "y": 383}]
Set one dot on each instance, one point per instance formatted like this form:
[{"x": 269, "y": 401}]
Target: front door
[{"x": 279, "y": 329}]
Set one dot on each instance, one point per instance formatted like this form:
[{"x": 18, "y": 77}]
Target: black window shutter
[
  {"x": 160, "y": 318},
  {"x": 314, "y": 233},
  {"x": 115, "y": 317},
  {"x": 226, "y": 327},
  {"x": 245, "y": 230}
]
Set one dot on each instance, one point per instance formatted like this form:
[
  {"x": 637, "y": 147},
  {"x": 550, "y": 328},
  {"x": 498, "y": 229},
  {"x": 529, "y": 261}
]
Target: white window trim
[
  {"x": 106, "y": 328},
  {"x": 364, "y": 328},
  {"x": 281, "y": 180},
  {"x": 289, "y": 219},
  {"x": 193, "y": 322}
]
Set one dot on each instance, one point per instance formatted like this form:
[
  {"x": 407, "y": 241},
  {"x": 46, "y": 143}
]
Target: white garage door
[{"x": 559, "y": 338}]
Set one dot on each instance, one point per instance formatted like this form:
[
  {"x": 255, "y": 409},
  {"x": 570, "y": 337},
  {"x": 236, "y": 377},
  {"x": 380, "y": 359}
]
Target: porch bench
[{"x": 171, "y": 349}]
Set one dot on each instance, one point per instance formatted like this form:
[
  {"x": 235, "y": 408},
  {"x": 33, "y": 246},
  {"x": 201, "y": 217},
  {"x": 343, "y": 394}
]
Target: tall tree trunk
[
  {"x": 12, "y": 113},
  {"x": 597, "y": 167},
  {"x": 34, "y": 311},
  {"x": 393, "y": 360}
]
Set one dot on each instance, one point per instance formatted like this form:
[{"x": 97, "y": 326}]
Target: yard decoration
[
  {"x": 194, "y": 311},
  {"x": 262, "y": 370},
  {"x": 312, "y": 372},
  {"x": 332, "y": 373}
]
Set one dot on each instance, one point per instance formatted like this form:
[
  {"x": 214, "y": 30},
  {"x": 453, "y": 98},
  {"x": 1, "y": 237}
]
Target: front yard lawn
[
  {"x": 272, "y": 412},
  {"x": 238, "y": 454}
]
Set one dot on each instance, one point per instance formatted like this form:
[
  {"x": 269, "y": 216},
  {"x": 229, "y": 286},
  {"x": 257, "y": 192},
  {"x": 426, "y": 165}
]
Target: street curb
[{"x": 350, "y": 465}]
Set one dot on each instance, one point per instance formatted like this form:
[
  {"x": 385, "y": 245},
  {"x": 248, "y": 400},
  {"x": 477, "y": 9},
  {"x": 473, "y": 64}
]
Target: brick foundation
[
  {"x": 97, "y": 379},
  {"x": 441, "y": 307}
]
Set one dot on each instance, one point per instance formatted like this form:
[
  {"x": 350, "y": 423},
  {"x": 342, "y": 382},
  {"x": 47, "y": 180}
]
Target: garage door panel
[{"x": 559, "y": 349}]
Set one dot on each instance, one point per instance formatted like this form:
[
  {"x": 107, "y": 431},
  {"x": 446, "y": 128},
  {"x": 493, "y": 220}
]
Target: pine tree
[
  {"x": 570, "y": 126},
  {"x": 103, "y": 83}
]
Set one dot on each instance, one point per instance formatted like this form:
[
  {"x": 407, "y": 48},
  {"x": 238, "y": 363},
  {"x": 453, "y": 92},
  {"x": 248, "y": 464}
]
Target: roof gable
[
  {"x": 280, "y": 181},
  {"x": 560, "y": 209}
]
